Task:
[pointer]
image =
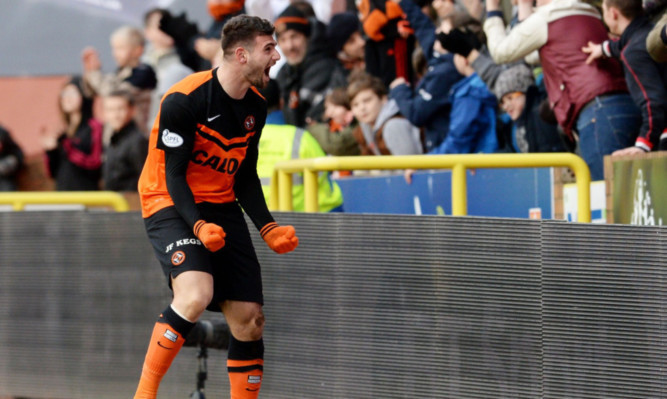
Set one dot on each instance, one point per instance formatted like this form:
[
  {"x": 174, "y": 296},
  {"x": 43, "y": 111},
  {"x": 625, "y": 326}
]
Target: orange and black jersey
[{"x": 203, "y": 148}]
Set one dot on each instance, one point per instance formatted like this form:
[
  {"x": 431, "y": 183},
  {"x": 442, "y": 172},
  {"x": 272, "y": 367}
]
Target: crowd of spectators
[{"x": 389, "y": 77}]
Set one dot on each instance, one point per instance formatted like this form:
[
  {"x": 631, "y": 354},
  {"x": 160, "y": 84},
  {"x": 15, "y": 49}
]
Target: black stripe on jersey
[{"x": 222, "y": 145}]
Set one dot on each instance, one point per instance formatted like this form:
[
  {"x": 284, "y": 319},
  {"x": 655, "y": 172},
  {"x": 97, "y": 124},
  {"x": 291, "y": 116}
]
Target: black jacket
[
  {"x": 303, "y": 87},
  {"x": 124, "y": 159},
  {"x": 76, "y": 163},
  {"x": 11, "y": 161},
  {"x": 646, "y": 81},
  {"x": 540, "y": 135}
]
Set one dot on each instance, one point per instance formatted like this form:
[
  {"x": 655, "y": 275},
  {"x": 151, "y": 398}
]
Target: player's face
[
  {"x": 294, "y": 45},
  {"x": 261, "y": 58},
  {"x": 366, "y": 106},
  {"x": 117, "y": 112}
]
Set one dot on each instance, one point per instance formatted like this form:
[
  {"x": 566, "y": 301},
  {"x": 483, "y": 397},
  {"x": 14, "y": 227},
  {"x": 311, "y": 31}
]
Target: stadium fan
[
  {"x": 11, "y": 161},
  {"x": 74, "y": 154},
  {"x": 646, "y": 78},
  {"x": 127, "y": 46},
  {"x": 590, "y": 101},
  {"x": 305, "y": 76}
]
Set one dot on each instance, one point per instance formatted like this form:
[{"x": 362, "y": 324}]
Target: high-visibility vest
[{"x": 285, "y": 142}]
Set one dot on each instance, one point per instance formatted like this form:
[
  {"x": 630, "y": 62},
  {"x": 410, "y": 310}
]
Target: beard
[{"x": 255, "y": 76}]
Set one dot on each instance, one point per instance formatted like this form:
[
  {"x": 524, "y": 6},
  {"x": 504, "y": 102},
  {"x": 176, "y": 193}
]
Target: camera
[{"x": 209, "y": 333}]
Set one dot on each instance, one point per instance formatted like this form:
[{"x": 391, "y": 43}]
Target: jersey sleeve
[
  {"x": 178, "y": 125},
  {"x": 248, "y": 188},
  {"x": 176, "y": 138}
]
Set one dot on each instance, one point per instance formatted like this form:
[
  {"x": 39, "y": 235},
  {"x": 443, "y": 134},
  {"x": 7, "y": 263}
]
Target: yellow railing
[
  {"x": 19, "y": 199},
  {"x": 281, "y": 183}
]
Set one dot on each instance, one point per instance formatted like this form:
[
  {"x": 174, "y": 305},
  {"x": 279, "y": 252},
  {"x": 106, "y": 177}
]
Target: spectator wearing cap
[
  {"x": 304, "y": 78},
  {"x": 347, "y": 45},
  {"x": 317, "y": 41},
  {"x": 427, "y": 105},
  {"x": 646, "y": 78},
  {"x": 589, "y": 99},
  {"x": 521, "y": 98}
]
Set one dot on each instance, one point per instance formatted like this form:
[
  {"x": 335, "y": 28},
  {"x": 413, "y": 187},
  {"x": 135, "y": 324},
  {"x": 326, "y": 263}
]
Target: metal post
[
  {"x": 310, "y": 187},
  {"x": 459, "y": 190}
]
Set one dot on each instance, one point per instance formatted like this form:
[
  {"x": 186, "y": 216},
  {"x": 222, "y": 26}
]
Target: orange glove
[
  {"x": 212, "y": 235},
  {"x": 281, "y": 239}
]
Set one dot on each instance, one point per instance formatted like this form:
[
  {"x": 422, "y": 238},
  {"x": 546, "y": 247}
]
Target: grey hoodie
[{"x": 400, "y": 136}]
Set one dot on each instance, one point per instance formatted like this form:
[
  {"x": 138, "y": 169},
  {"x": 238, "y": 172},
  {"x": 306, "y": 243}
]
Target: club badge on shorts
[{"x": 178, "y": 258}]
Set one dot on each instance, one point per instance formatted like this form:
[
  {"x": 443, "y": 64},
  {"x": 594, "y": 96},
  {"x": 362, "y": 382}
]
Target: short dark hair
[
  {"x": 243, "y": 29},
  {"x": 463, "y": 21},
  {"x": 629, "y": 8},
  {"x": 124, "y": 94},
  {"x": 338, "y": 96},
  {"x": 365, "y": 81}
]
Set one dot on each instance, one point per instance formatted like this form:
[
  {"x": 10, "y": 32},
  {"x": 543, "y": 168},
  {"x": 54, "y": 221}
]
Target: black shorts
[{"x": 235, "y": 268}]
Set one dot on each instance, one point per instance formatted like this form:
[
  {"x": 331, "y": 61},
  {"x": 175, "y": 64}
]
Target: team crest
[
  {"x": 177, "y": 258},
  {"x": 249, "y": 122}
]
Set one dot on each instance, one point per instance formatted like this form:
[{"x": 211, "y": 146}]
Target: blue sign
[{"x": 491, "y": 193}]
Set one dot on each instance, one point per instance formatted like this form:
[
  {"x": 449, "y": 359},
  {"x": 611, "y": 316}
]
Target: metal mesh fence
[{"x": 369, "y": 306}]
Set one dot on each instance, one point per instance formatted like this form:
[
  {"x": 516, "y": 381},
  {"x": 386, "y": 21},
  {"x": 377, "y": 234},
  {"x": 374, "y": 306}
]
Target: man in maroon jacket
[{"x": 589, "y": 99}]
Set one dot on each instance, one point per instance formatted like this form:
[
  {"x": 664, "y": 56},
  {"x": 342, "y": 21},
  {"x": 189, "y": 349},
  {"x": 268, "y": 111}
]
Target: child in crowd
[
  {"x": 74, "y": 155},
  {"x": 382, "y": 129},
  {"x": 472, "y": 127},
  {"x": 336, "y": 135},
  {"x": 519, "y": 96},
  {"x": 126, "y": 152},
  {"x": 127, "y": 45}
]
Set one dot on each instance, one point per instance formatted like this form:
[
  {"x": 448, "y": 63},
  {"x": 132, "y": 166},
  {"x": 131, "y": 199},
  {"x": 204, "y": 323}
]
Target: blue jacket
[
  {"x": 427, "y": 106},
  {"x": 472, "y": 128}
]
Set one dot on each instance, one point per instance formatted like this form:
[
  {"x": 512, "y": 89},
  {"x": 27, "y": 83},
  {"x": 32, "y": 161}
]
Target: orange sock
[
  {"x": 245, "y": 366},
  {"x": 164, "y": 345}
]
